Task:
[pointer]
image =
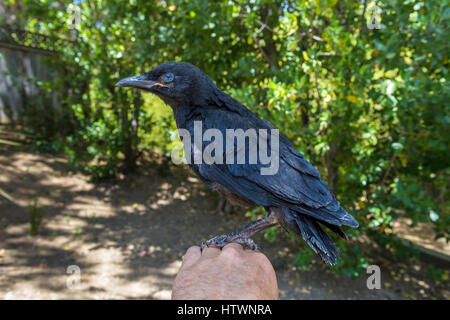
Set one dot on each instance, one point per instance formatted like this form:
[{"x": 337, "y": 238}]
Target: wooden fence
[{"x": 24, "y": 72}]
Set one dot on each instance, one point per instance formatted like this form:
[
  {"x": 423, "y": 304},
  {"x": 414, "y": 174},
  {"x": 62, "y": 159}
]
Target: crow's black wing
[{"x": 296, "y": 185}]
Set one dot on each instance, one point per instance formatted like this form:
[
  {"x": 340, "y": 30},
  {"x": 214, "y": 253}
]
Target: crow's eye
[{"x": 168, "y": 77}]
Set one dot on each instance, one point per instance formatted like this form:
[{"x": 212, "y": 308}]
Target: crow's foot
[
  {"x": 223, "y": 240},
  {"x": 248, "y": 243}
]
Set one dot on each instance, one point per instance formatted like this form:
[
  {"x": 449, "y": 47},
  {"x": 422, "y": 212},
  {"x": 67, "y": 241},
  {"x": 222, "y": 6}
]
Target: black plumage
[{"x": 295, "y": 197}]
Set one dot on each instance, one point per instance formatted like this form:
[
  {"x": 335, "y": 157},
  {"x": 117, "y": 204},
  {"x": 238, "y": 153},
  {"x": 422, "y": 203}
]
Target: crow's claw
[{"x": 223, "y": 240}]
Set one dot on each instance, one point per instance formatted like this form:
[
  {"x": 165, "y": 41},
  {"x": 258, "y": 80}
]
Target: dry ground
[{"x": 128, "y": 237}]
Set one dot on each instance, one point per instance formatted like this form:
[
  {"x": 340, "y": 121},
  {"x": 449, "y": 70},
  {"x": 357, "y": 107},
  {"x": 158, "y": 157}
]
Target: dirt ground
[{"x": 128, "y": 237}]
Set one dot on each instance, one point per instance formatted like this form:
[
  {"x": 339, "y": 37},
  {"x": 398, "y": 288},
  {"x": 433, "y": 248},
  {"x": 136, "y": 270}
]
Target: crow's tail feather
[
  {"x": 317, "y": 239},
  {"x": 310, "y": 229}
]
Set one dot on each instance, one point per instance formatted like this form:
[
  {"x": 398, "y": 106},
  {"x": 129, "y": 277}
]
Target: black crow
[{"x": 293, "y": 196}]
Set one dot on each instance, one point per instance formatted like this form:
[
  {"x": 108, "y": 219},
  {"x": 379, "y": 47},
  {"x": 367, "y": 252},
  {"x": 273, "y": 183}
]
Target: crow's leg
[
  {"x": 227, "y": 208},
  {"x": 223, "y": 205},
  {"x": 242, "y": 235}
]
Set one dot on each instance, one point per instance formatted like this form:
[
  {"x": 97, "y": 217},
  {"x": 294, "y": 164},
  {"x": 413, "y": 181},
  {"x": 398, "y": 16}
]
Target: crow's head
[{"x": 177, "y": 83}]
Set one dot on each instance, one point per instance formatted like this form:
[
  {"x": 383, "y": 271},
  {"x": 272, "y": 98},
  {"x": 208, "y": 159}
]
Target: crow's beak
[{"x": 139, "y": 82}]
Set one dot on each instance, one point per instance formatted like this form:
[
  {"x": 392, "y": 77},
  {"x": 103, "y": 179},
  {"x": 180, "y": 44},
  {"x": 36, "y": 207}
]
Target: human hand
[{"x": 228, "y": 274}]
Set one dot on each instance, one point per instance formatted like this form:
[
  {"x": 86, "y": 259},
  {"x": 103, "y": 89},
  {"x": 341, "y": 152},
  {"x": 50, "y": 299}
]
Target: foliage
[{"x": 368, "y": 107}]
